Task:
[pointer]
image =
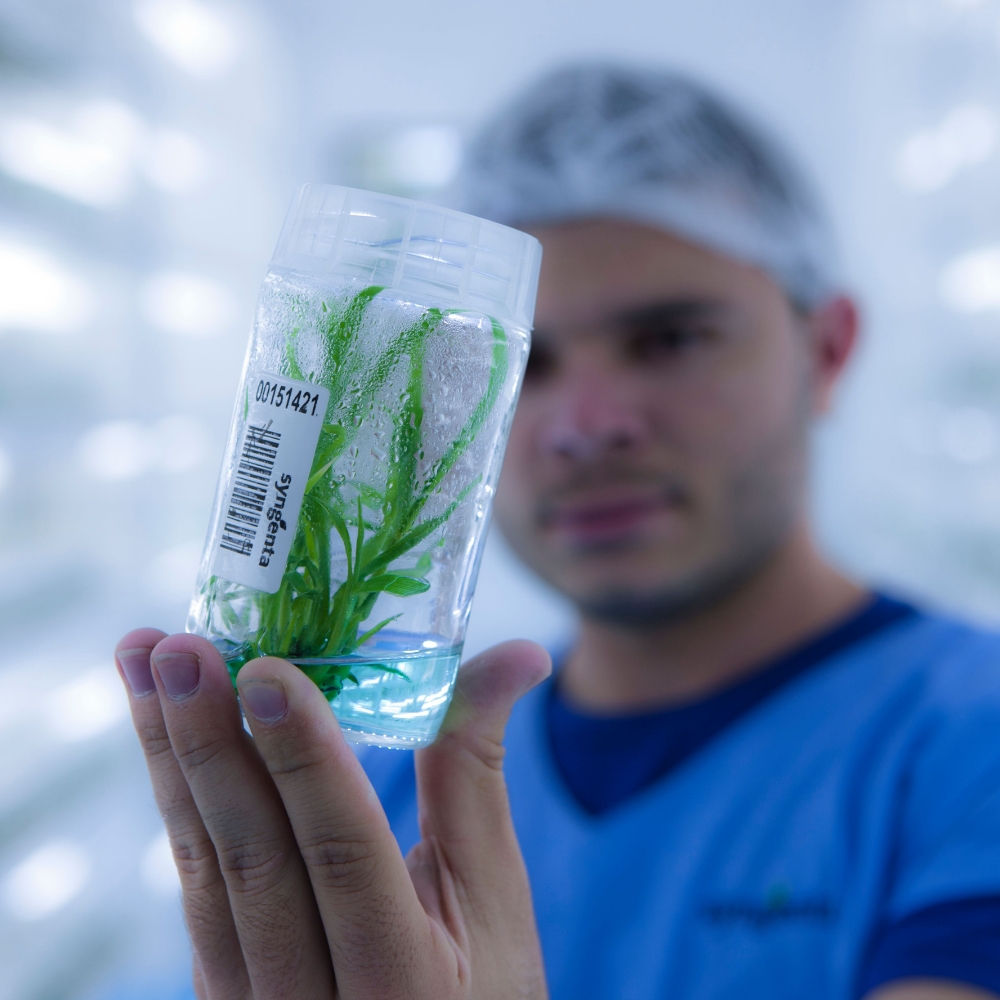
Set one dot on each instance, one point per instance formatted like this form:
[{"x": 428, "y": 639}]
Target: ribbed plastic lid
[{"x": 424, "y": 252}]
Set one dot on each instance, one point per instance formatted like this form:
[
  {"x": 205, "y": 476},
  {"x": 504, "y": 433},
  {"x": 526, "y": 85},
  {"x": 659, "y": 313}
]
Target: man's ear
[{"x": 833, "y": 333}]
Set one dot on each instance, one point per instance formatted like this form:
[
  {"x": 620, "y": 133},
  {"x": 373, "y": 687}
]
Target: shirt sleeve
[
  {"x": 947, "y": 841},
  {"x": 941, "y": 910},
  {"x": 958, "y": 940}
]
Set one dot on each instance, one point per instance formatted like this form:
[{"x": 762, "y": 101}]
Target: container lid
[{"x": 417, "y": 249}]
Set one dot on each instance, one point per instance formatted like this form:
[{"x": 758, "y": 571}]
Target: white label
[{"x": 268, "y": 481}]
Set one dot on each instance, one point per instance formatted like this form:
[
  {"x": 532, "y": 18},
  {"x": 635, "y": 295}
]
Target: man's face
[{"x": 658, "y": 452}]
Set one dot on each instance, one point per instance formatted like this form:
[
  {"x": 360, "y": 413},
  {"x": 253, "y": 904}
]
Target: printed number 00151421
[{"x": 281, "y": 396}]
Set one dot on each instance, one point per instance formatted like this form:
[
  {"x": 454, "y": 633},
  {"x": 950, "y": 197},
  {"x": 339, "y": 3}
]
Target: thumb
[
  {"x": 486, "y": 690},
  {"x": 464, "y": 809}
]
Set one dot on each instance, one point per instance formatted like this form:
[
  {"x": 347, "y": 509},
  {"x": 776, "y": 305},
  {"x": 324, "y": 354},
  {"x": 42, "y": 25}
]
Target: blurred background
[{"x": 148, "y": 150}]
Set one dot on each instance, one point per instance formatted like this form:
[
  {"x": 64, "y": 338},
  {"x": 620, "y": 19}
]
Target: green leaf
[
  {"x": 419, "y": 571},
  {"x": 394, "y": 583},
  {"x": 413, "y": 538},
  {"x": 362, "y": 639},
  {"x": 294, "y": 370},
  {"x": 371, "y": 496},
  {"x": 360, "y": 538},
  {"x": 341, "y": 527},
  {"x": 318, "y": 475}
]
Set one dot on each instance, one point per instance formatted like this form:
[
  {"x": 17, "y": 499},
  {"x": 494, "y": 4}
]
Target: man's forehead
[
  {"x": 598, "y": 269},
  {"x": 607, "y": 236}
]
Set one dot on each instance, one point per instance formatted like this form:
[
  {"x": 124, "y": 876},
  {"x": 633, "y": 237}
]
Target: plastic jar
[{"x": 383, "y": 369}]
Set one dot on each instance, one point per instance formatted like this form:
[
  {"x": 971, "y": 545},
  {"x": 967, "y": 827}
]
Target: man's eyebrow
[
  {"x": 671, "y": 311},
  {"x": 653, "y": 314}
]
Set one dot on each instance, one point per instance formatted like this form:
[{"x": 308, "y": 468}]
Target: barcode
[{"x": 253, "y": 476}]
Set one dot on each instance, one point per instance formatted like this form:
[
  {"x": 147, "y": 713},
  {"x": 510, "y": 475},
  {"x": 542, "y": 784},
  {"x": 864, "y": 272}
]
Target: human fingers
[
  {"x": 206, "y": 902},
  {"x": 465, "y": 817},
  {"x": 271, "y": 901},
  {"x": 381, "y": 941},
  {"x": 460, "y": 775}
]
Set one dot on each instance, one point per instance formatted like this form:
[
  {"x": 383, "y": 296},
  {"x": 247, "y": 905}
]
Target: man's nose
[{"x": 591, "y": 417}]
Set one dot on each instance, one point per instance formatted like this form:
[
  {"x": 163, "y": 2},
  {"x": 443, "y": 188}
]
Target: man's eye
[
  {"x": 541, "y": 363},
  {"x": 655, "y": 342}
]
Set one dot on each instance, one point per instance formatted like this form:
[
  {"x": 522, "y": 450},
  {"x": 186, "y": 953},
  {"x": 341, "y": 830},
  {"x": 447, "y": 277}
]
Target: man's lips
[{"x": 604, "y": 521}]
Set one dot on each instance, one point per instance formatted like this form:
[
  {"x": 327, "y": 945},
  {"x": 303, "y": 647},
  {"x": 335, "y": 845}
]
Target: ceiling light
[
  {"x": 38, "y": 293},
  {"x": 931, "y": 158},
  {"x": 971, "y": 283},
  {"x": 195, "y": 36}
]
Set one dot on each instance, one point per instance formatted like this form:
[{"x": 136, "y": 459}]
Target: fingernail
[
  {"x": 179, "y": 672},
  {"x": 266, "y": 701},
  {"x": 135, "y": 667}
]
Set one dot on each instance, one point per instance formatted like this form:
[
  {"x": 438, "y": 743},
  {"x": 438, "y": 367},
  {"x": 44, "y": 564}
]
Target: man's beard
[
  {"x": 761, "y": 505},
  {"x": 687, "y": 597}
]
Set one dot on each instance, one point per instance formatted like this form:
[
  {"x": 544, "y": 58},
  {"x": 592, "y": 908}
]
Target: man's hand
[{"x": 293, "y": 884}]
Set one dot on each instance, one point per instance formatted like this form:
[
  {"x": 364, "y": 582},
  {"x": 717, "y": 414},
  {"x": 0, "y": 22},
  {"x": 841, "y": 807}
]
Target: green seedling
[{"x": 312, "y": 617}]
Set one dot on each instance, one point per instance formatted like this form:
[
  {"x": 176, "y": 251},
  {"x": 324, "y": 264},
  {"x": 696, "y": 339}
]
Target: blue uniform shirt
[{"x": 855, "y": 799}]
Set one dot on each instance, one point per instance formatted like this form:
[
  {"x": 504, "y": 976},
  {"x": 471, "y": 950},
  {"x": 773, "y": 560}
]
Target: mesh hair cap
[{"x": 656, "y": 148}]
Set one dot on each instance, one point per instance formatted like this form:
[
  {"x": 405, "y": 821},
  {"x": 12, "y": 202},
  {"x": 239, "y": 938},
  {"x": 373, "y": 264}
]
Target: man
[{"x": 750, "y": 777}]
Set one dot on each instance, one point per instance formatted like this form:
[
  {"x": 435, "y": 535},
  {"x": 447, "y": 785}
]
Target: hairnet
[{"x": 652, "y": 147}]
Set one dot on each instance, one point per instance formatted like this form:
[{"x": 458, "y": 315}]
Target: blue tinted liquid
[{"x": 384, "y": 709}]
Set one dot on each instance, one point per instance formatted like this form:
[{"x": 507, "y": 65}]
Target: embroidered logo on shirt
[{"x": 778, "y": 906}]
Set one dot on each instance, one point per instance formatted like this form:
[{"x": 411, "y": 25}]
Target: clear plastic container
[{"x": 381, "y": 377}]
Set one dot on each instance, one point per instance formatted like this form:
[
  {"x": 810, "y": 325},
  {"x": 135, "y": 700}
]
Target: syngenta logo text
[
  {"x": 779, "y": 906},
  {"x": 275, "y": 522}
]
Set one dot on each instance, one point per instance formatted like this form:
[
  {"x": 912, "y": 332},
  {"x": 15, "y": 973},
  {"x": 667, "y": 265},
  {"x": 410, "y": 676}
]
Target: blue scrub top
[{"x": 862, "y": 793}]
